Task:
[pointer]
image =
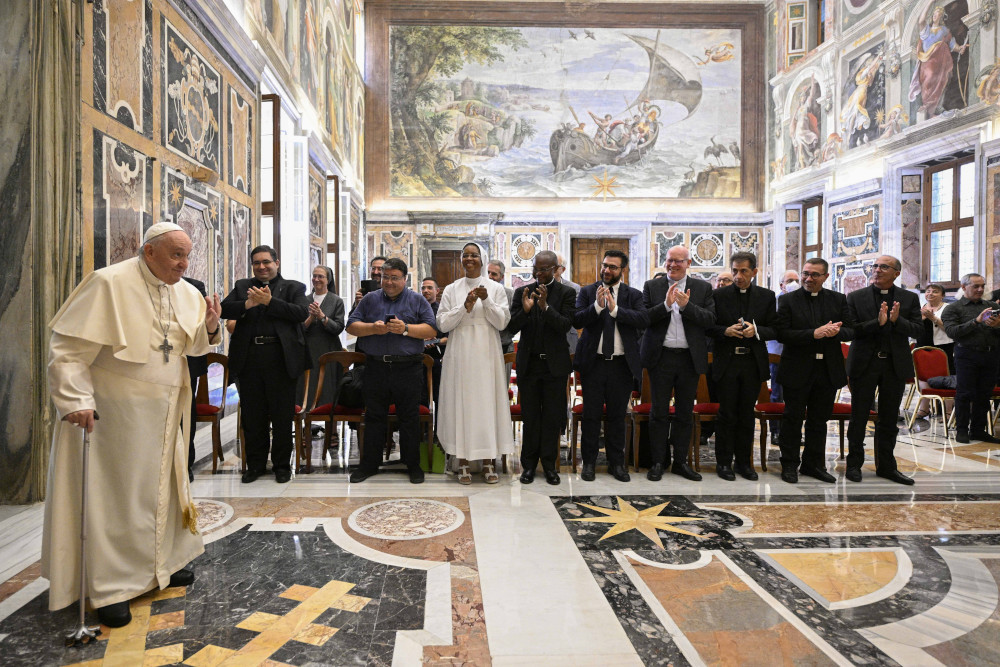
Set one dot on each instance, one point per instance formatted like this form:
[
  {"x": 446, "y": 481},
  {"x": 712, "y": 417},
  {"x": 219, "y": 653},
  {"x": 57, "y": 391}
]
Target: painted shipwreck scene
[{"x": 565, "y": 112}]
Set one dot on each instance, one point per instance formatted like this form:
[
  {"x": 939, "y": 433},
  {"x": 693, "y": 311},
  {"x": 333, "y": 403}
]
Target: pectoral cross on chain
[{"x": 166, "y": 347}]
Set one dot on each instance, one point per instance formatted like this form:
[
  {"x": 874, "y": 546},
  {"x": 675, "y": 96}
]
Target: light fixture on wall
[{"x": 203, "y": 174}]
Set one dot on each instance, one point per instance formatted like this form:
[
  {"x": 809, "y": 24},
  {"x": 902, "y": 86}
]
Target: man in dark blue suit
[
  {"x": 611, "y": 315},
  {"x": 675, "y": 350}
]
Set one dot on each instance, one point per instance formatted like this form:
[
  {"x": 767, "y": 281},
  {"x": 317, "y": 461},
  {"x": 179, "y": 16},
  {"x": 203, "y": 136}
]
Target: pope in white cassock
[
  {"x": 474, "y": 413},
  {"x": 119, "y": 347}
]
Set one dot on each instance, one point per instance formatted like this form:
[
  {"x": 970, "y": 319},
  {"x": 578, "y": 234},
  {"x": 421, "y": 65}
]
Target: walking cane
[{"x": 83, "y": 634}]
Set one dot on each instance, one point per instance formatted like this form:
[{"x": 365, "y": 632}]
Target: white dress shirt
[
  {"x": 619, "y": 346},
  {"x": 676, "y": 337}
]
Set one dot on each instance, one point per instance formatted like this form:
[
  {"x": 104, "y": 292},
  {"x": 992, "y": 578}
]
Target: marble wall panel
[
  {"x": 910, "y": 215},
  {"x": 854, "y": 226},
  {"x": 851, "y": 275},
  {"x": 317, "y": 221},
  {"x": 992, "y": 181},
  {"x": 192, "y": 100},
  {"x": 239, "y": 123},
  {"x": 397, "y": 243},
  {"x": 123, "y": 200},
  {"x": 708, "y": 249},
  {"x": 745, "y": 242},
  {"x": 200, "y": 211},
  {"x": 239, "y": 241},
  {"x": 792, "y": 250},
  {"x": 662, "y": 242},
  {"x": 123, "y": 62}
]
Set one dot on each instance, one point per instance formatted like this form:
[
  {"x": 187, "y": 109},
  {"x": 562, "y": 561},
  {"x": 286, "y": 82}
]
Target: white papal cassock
[
  {"x": 474, "y": 412},
  {"x": 105, "y": 356}
]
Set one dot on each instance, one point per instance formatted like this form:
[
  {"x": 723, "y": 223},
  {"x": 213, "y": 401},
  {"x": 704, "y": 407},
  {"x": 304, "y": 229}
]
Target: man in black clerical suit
[
  {"x": 744, "y": 320},
  {"x": 611, "y": 315},
  {"x": 267, "y": 354},
  {"x": 885, "y": 317},
  {"x": 812, "y": 322},
  {"x": 675, "y": 351},
  {"x": 197, "y": 366},
  {"x": 542, "y": 311}
]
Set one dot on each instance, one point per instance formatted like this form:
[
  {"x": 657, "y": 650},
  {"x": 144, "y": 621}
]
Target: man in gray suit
[{"x": 496, "y": 269}]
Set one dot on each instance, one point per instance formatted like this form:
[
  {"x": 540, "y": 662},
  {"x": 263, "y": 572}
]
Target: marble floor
[{"x": 320, "y": 571}]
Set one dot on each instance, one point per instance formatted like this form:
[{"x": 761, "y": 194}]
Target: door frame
[
  {"x": 426, "y": 244},
  {"x": 637, "y": 233}
]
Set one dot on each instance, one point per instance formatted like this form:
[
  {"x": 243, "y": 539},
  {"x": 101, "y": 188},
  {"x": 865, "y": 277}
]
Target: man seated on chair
[
  {"x": 611, "y": 315},
  {"x": 394, "y": 322},
  {"x": 974, "y": 325},
  {"x": 744, "y": 320}
]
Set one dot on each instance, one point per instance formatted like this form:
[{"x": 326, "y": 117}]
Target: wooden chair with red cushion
[
  {"x": 426, "y": 411},
  {"x": 704, "y": 410},
  {"x": 330, "y": 414},
  {"x": 206, "y": 411},
  {"x": 765, "y": 411},
  {"x": 640, "y": 414},
  {"x": 930, "y": 362}
]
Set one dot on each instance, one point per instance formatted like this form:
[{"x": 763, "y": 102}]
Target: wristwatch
[{"x": 406, "y": 329}]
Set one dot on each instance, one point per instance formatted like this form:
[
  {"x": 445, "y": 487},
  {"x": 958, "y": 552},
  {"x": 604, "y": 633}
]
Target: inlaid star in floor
[
  {"x": 646, "y": 521},
  {"x": 605, "y": 186}
]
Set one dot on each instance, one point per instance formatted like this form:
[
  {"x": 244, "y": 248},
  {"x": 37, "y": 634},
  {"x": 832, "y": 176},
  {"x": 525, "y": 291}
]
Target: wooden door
[
  {"x": 587, "y": 254},
  {"x": 446, "y": 266}
]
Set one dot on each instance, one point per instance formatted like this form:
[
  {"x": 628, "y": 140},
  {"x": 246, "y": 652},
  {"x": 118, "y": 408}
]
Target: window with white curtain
[{"x": 295, "y": 209}]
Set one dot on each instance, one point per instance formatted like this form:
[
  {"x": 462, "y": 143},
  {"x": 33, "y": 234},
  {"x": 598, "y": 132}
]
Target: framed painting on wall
[{"x": 545, "y": 105}]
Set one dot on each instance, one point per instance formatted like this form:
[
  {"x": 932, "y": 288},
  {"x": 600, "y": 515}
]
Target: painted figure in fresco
[
  {"x": 603, "y": 133},
  {"x": 719, "y": 53},
  {"x": 854, "y": 117},
  {"x": 934, "y": 61},
  {"x": 805, "y": 127},
  {"x": 988, "y": 88},
  {"x": 831, "y": 148},
  {"x": 891, "y": 124}
]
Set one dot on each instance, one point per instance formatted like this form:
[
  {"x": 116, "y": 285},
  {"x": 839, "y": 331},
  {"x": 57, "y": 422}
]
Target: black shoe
[
  {"x": 962, "y": 437},
  {"x": 853, "y": 474},
  {"x": 588, "y": 474},
  {"x": 985, "y": 437},
  {"x": 528, "y": 476},
  {"x": 251, "y": 476},
  {"x": 182, "y": 577},
  {"x": 361, "y": 475},
  {"x": 747, "y": 472},
  {"x": 552, "y": 477},
  {"x": 416, "y": 475},
  {"x": 282, "y": 475},
  {"x": 190, "y": 475},
  {"x": 655, "y": 473},
  {"x": 725, "y": 472},
  {"x": 685, "y": 471},
  {"x": 115, "y": 615},
  {"x": 620, "y": 473},
  {"x": 790, "y": 475},
  {"x": 816, "y": 473},
  {"x": 895, "y": 476}
]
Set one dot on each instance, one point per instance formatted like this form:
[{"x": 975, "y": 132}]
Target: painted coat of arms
[{"x": 192, "y": 102}]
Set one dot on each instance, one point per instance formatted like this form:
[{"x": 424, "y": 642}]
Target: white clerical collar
[
  {"x": 814, "y": 293},
  {"x": 883, "y": 291},
  {"x": 744, "y": 291}
]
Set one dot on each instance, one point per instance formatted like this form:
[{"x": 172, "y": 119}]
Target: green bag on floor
[{"x": 432, "y": 458}]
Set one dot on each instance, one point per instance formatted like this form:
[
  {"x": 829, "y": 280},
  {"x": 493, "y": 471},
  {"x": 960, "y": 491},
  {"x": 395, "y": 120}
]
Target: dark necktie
[{"x": 608, "y": 344}]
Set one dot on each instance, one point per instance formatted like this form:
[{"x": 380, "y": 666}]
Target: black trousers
[
  {"x": 543, "y": 411},
  {"x": 880, "y": 375},
  {"x": 815, "y": 399},
  {"x": 267, "y": 400},
  {"x": 673, "y": 374},
  {"x": 737, "y": 392},
  {"x": 194, "y": 415},
  {"x": 976, "y": 373},
  {"x": 402, "y": 384},
  {"x": 607, "y": 385}
]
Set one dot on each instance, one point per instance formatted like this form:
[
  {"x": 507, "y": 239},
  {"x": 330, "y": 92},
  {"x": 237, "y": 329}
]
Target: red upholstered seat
[
  {"x": 510, "y": 394},
  {"x": 579, "y": 391},
  {"x": 298, "y": 409},
  {"x": 206, "y": 409},
  {"x": 646, "y": 408},
  {"x": 635, "y": 395},
  {"x": 943, "y": 393},
  {"x": 706, "y": 408},
  {"x": 845, "y": 409},
  {"x": 424, "y": 410},
  {"x": 578, "y": 409},
  {"x": 340, "y": 410},
  {"x": 515, "y": 409},
  {"x": 771, "y": 408}
]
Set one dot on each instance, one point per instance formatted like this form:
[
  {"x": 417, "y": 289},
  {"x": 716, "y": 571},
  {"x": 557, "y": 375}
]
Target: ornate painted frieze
[
  {"x": 192, "y": 101},
  {"x": 123, "y": 196},
  {"x": 123, "y": 62},
  {"x": 239, "y": 126}
]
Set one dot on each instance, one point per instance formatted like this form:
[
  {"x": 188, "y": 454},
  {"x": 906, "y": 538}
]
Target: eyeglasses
[
  {"x": 884, "y": 267},
  {"x": 811, "y": 274},
  {"x": 611, "y": 266},
  {"x": 678, "y": 261},
  {"x": 392, "y": 279}
]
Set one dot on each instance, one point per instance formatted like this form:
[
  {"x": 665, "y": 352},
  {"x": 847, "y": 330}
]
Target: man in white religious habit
[{"x": 119, "y": 350}]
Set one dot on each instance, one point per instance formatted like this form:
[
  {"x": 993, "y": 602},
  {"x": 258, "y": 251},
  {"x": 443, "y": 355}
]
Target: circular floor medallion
[
  {"x": 212, "y": 514},
  {"x": 406, "y": 519}
]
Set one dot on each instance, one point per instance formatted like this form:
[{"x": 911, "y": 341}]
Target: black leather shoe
[
  {"x": 791, "y": 476},
  {"x": 250, "y": 476},
  {"x": 282, "y": 475},
  {"x": 685, "y": 471},
  {"x": 361, "y": 475},
  {"x": 747, "y": 472},
  {"x": 962, "y": 437},
  {"x": 588, "y": 473},
  {"x": 416, "y": 475},
  {"x": 816, "y": 473},
  {"x": 620, "y": 473},
  {"x": 725, "y": 472},
  {"x": 528, "y": 476},
  {"x": 182, "y": 578},
  {"x": 853, "y": 474},
  {"x": 655, "y": 473},
  {"x": 895, "y": 476},
  {"x": 985, "y": 437},
  {"x": 115, "y": 615},
  {"x": 552, "y": 477}
]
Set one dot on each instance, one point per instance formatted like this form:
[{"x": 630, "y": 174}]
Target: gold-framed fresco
[{"x": 549, "y": 105}]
